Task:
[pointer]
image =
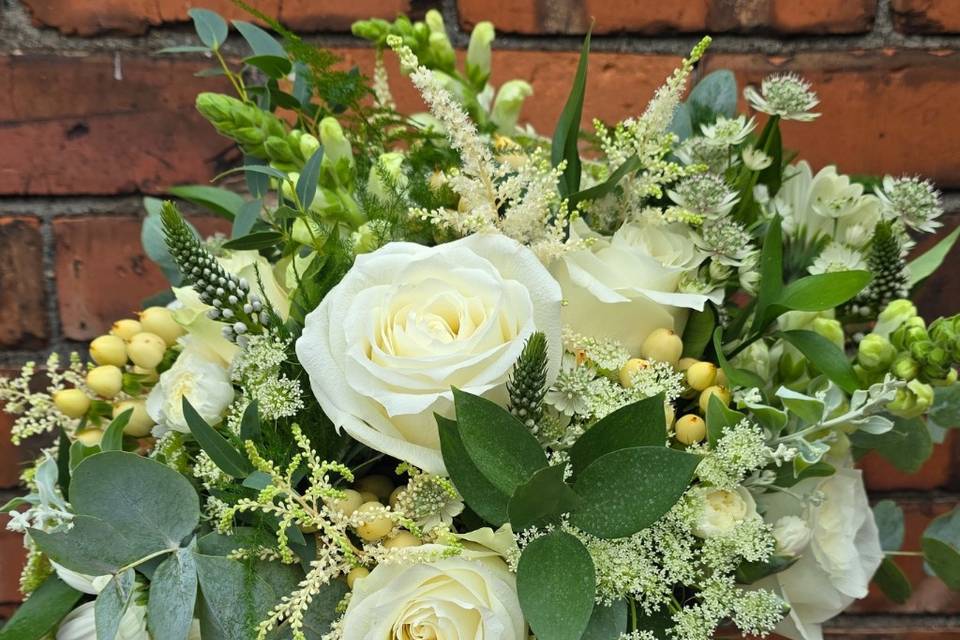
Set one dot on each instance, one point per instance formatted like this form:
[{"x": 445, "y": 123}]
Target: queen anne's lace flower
[{"x": 786, "y": 95}]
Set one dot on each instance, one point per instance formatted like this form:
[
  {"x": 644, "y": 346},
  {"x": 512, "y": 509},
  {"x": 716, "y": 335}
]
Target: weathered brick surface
[
  {"x": 103, "y": 124},
  {"x": 939, "y": 295},
  {"x": 684, "y": 16},
  {"x": 938, "y": 472},
  {"x": 102, "y": 272},
  {"x": 926, "y": 16},
  {"x": 12, "y": 557},
  {"x": 93, "y": 17},
  {"x": 23, "y": 321}
]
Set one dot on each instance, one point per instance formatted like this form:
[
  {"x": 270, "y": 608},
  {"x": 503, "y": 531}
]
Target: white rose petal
[
  {"x": 792, "y": 535},
  {"x": 409, "y": 322},
  {"x": 199, "y": 375},
  {"x": 452, "y": 598}
]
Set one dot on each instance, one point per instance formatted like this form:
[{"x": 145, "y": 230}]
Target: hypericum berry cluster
[{"x": 233, "y": 304}]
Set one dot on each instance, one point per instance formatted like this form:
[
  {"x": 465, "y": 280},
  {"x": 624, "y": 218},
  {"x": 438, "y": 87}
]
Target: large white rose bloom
[
  {"x": 409, "y": 322},
  {"x": 626, "y": 285},
  {"x": 449, "y": 599},
  {"x": 841, "y": 557},
  {"x": 80, "y": 624},
  {"x": 198, "y": 374}
]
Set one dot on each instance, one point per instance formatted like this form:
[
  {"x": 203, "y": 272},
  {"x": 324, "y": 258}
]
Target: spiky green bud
[
  {"x": 886, "y": 263},
  {"x": 245, "y": 123},
  {"x": 528, "y": 382}
]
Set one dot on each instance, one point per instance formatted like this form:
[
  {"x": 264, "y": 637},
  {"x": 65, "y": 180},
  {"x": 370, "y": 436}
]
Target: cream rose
[
  {"x": 199, "y": 375},
  {"x": 409, "y": 322},
  {"x": 626, "y": 285},
  {"x": 723, "y": 510},
  {"x": 841, "y": 557},
  {"x": 450, "y": 599},
  {"x": 80, "y": 624}
]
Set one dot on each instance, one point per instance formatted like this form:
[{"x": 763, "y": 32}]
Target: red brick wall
[{"x": 90, "y": 120}]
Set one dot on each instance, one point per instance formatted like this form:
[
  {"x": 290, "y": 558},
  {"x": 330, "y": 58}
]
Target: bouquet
[{"x": 450, "y": 378}]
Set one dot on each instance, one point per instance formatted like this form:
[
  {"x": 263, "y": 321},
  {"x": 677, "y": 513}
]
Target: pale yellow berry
[
  {"x": 350, "y": 502},
  {"x": 402, "y": 540},
  {"x": 89, "y": 437},
  {"x": 356, "y": 574},
  {"x": 140, "y": 422},
  {"x": 690, "y": 429},
  {"x": 669, "y": 414},
  {"x": 126, "y": 328},
  {"x": 149, "y": 375},
  {"x": 685, "y": 363},
  {"x": 378, "y": 485},
  {"x": 105, "y": 380},
  {"x": 630, "y": 369},
  {"x": 160, "y": 321},
  {"x": 701, "y": 375},
  {"x": 663, "y": 345},
  {"x": 146, "y": 350},
  {"x": 109, "y": 349},
  {"x": 377, "y": 528},
  {"x": 72, "y": 403},
  {"x": 715, "y": 390},
  {"x": 722, "y": 379},
  {"x": 395, "y": 495},
  {"x": 367, "y": 496}
]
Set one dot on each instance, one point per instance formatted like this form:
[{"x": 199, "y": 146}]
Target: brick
[
  {"x": 102, "y": 272},
  {"x": 95, "y": 17},
  {"x": 23, "y": 323},
  {"x": 12, "y": 558},
  {"x": 683, "y": 16},
  {"x": 882, "y": 111},
  {"x": 938, "y": 472},
  {"x": 926, "y": 16},
  {"x": 101, "y": 124},
  {"x": 10, "y": 456}
]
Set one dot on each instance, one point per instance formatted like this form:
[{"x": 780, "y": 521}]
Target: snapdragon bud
[
  {"x": 508, "y": 104},
  {"x": 441, "y": 51},
  {"x": 126, "y": 328},
  {"x": 308, "y": 145},
  {"x": 830, "y": 329},
  {"x": 905, "y": 367},
  {"x": 337, "y": 152},
  {"x": 478, "y": 53},
  {"x": 160, "y": 321},
  {"x": 690, "y": 429},
  {"x": 894, "y": 315},
  {"x": 630, "y": 369},
  {"x": 875, "y": 353},
  {"x": 370, "y": 236},
  {"x": 146, "y": 350},
  {"x": 374, "y": 30},
  {"x": 663, "y": 345},
  {"x": 109, "y": 349},
  {"x": 72, "y": 403},
  {"x": 105, "y": 380}
]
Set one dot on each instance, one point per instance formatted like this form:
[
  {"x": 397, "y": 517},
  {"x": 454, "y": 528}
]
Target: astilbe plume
[{"x": 527, "y": 384}]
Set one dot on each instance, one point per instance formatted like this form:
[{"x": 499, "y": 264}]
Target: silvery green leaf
[
  {"x": 112, "y": 603},
  {"x": 807, "y": 408},
  {"x": 875, "y": 424},
  {"x": 889, "y": 518},
  {"x": 812, "y": 452},
  {"x": 173, "y": 593}
]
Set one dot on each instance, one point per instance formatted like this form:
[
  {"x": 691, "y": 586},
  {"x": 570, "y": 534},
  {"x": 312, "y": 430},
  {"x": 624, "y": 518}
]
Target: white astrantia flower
[
  {"x": 705, "y": 194},
  {"x": 728, "y": 131},
  {"x": 837, "y": 257},
  {"x": 80, "y": 624},
  {"x": 626, "y": 285},
  {"x": 199, "y": 375},
  {"x": 913, "y": 201},
  {"x": 842, "y": 555},
  {"x": 755, "y": 159},
  {"x": 408, "y": 322},
  {"x": 786, "y": 95},
  {"x": 471, "y": 596}
]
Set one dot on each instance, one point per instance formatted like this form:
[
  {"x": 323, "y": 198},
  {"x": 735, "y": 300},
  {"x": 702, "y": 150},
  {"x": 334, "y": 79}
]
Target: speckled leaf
[
  {"x": 638, "y": 424},
  {"x": 544, "y": 499},
  {"x": 479, "y": 493}
]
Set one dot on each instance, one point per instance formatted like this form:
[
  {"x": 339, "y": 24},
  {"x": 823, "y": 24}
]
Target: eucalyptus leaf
[
  {"x": 556, "y": 583},
  {"x": 42, "y": 611},
  {"x": 889, "y": 518},
  {"x": 261, "y": 42},
  {"x": 306, "y": 187},
  {"x": 250, "y": 422},
  {"x": 907, "y": 445},
  {"x": 715, "y": 95},
  {"x": 224, "y": 203},
  {"x": 893, "y": 582},
  {"x": 112, "y": 603},
  {"x": 210, "y": 27},
  {"x": 173, "y": 593},
  {"x": 223, "y": 454},
  {"x": 542, "y": 500},
  {"x": 185, "y": 49},
  {"x": 607, "y": 622},
  {"x": 941, "y": 548},
  {"x": 945, "y": 410},
  {"x": 92, "y": 546},
  {"x": 254, "y": 241},
  {"x": 638, "y": 424},
  {"x": 923, "y": 266},
  {"x": 481, "y": 495},
  {"x": 246, "y": 217}
]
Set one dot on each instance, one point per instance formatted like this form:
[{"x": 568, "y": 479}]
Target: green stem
[{"x": 137, "y": 563}]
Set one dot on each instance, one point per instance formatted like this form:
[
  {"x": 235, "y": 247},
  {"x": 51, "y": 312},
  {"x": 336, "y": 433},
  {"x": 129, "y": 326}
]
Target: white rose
[
  {"x": 444, "y": 600},
  {"x": 626, "y": 285},
  {"x": 80, "y": 624},
  {"x": 409, "y": 322},
  {"x": 827, "y": 204},
  {"x": 792, "y": 535},
  {"x": 723, "y": 511},
  {"x": 842, "y": 556},
  {"x": 199, "y": 375}
]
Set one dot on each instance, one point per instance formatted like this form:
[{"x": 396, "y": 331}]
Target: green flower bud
[
  {"x": 337, "y": 152},
  {"x": 441, "y": 52},
  {"x": 370, "y": 236},
  {"x": 478, "y": 54},
  {"x": 875, "y": 353},
  {"x": 830, "y": 329},
  {"x": 248, "y": 125},
  {"x": 791, "y": 367},
  {"x": 308, "y": 146},
  {"x": 905, "y": 367},
  {"x": 434, "y": 21},
  {"x": 278, "y": 149},
  {"x": 375, "y": 30},
  {"x": 308, "y": 232},
  {"x": 508, "y": 103},
  {"x": 894, "y": 315},
  {"x": 911, "y": 401},
  {"x": 386, "y": 175}
]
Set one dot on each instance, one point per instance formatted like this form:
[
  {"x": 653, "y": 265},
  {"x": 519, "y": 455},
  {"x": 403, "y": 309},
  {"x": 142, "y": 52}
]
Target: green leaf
[
  {"x": 257, "y": 183},
  {"x": 567, "y": 133},
  {"x": 223, "y": 454},
  {"x": 256, "y": 241},
  {"x": 261, "y": 42},
  {"x": 750, "y": 572},
  {"x": 941, "y": 548},
  {"x": 542, "y": 500},
  {"x": 112, "y": 603},
  {"x": 92, "y": 546},
  {"x": 682, "y": 122},
  {"x": 638, "y": 424},
  {"x": 246, "y": 217},
  {"x": 737, "y": 377},
  {"x": 719, "y": 418},
  {"x": 772, "y": 176},
  {"x": 221, "y": 201},
  {"x": 598, "y": 191},
  {"x": 210, "y": 27},
  {"x": 790, "y": 474},
  {"x": 771, "y": 273},
  {"x": 173, "y": 593},
  {"x": 479, "y": 493},
  {"x": 307, "y": 182},
  {"x": 945, "y": 410},
  {"x": 504, "y": 451},
  {"x": 825, "y": 356},
  {"x": 185, "y": 49},
  {"x": 907, "y": 446},
  {"x": 607, "y": 622},
  {"x": 259, "y": 169},
  {"x": 892, "y": 582},
  {"x": 112, "y": 439},
  {"x": 819, "y": 292},
  {"x": 250, "y": 422},
  {"x": 698, "y": 332},
  {"x": 628, "y": 490},
  {"x": 889, "y": 518},
  {"x": 80, "y": 452},
  {"x": 155, "y": 246},
  {"x": 715, "y": 95},
  {"x": 556, "y": 583},
  {"x": 42, "y": 611},
  {"x": 923, "y": 266},
  {"x": 275, "y": 67}
]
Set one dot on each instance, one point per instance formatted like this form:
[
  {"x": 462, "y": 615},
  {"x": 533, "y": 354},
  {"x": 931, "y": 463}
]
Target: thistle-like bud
[
  {"x": 527, "y": 384},
  {"x": 248, "y": 125},
  {"x": 875, "y": 353},
  {"x": 508, "y": 103},
  {"x": 280, "y": 149},
  {"x": 478, "y": 54},
  {"x": 905, "y": 367}
]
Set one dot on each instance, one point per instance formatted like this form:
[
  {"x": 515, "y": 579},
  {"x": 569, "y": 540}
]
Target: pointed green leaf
[
  {"x": 275, "y": 67},
  {"x": 42, "y": 611},
  {"x": 489, "y": 502},
  {"x": 250, "y": 422},
  {"x": 223, "y": 454},
  {"x": 737, "y": 377},
  {"x": 750, "y": 572},
  {"x": 542, "y": 500},
  {"x": 825, "y": 356},
  {"x": 893, "y": 582},
  {"x": 221, "y": 201},
  {"x": 112, "y": 439},
  {"x": 607, "y": 622},
  {"x": 210, "y": 27},
  {"x": 254, "y": 241},
  {"x": 923, "y": 266},
  {"x": 246, "y": 217},
  {"x": 719, "y": 418},
  {"x": 556, "y": 583},
  {"x": 261, "y": 42},
  {"x": 607, "y": 186},
  {"x": 698, "y": 332},
  {"x": 566, "y": 136},
  {"x": 637, "y": 424},
  {"x": 771, "y": 273},
  {"x": 307, "y": 182}
]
